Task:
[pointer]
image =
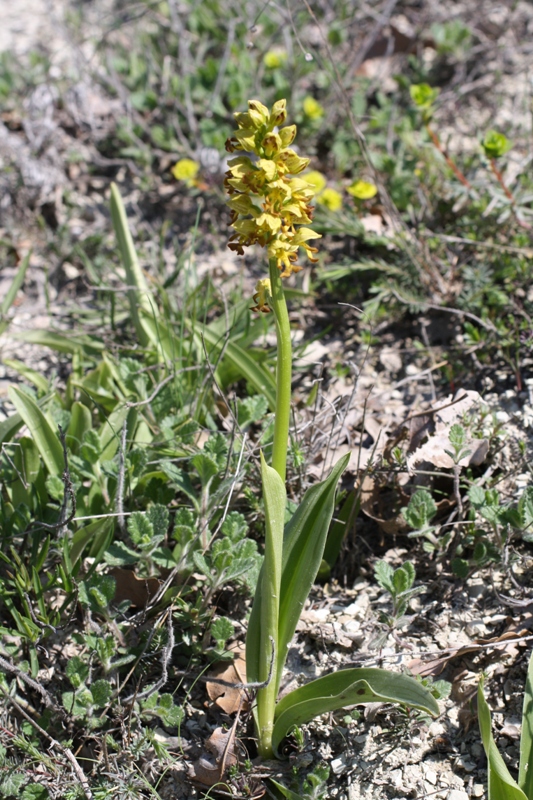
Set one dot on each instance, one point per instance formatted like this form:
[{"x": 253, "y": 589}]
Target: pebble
[
  {"x": 478, "y": 790},
  {"x": 457, "y": 794},
  {"x": 431, "y": 776},
  {"x": 338, "y": 765},
  {"x": 502, "y": 416}
]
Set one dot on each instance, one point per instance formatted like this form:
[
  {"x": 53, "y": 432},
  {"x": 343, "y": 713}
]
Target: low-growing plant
[
  {"x": 399, "y": 583},
  {"x": 270, "y": 207}
]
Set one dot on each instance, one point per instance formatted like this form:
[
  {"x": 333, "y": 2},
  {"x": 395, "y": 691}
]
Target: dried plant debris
[{"x": 218, "y": 756}]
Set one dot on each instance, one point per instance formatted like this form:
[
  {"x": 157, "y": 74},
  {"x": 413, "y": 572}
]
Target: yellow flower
[
  {"x": 268, "y": 203},
  {"x": 263, "y": 291},
  {"x": 330, "y": 198},
  {"x": 274, "y": 59},
  {"x": 312, "y": 108},
  {"x": 186, "y": 170},
  {"x": 362, "y": 190}
]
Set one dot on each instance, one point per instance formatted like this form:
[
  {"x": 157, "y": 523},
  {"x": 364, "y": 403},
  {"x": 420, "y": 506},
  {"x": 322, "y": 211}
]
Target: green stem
[{"x": 283, "y": 372}]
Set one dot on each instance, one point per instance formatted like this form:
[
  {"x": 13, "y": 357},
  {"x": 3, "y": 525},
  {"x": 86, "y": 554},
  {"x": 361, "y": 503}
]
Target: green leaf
[
  {"x": 457, "y": 436},
  {"x": 501, "y": 784},
  {"x": 55, "y": 487},
  {"x": 159, "y": 516},
  {"x": 88, "y": 533},
  {"x": 345, "y": 688},
  {"x": 234, "y": 527},
  {"x": 476, "y": 495},
  {"x": 384, "y": 575},
  {"x": 251, "y": 409},
  {"x": 11, "y": 783},
  {"x": 41, "y": 430},
  {"x": 421, "y": 510},
  {"x": 111, "y": 428},
  {"x": 303, "y": 547},
  {"x": 179, "y": 478},
  {"x": 31, "y": 375},
  {"x": 221, "y": 629},
  {"x": 460, "y": 567},
  {"x": 101, "y": 691},
  {"x": 140, "y": 529},
  {"x": 285, "y": 791},
  {"x": 525, "y": 773},
  {"x": 404, "y": 578},
  {"x": 205, "y": 466},
  {"x": 34, "y": 791},
  {"x": 97, "y": 592},
  {"x": 525, "y": 509},
  {"x": 80, "y": 423},
  {"x": 77, "y": 671},
  {"x": 61, "y": 343},
  {"x": 344, "y": 519}
]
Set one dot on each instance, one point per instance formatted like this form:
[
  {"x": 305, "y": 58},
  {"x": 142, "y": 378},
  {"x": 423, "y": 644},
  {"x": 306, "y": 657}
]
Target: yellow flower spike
[
  {"x": 263, "y": 291},
  {"x": 279, "y": 113},
  {"x": 258, "y": 113},
  {"x": 268, "y": 203},
  {"x": 287, "y": 135}
]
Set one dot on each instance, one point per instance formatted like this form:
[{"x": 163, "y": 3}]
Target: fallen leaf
[
  {"x": 139, "y": 591},
  {"x": 434, "y": 452},
  {"x": 229, "y": 699},
  {"x": 218, "y": 756}
]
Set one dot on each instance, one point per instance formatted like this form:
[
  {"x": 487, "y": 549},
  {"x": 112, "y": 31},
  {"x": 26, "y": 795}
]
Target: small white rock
[
  {"x": 431, "y": 776},
  {"x": 338, "y": 766},
  {"x": 457, "y": 794}
]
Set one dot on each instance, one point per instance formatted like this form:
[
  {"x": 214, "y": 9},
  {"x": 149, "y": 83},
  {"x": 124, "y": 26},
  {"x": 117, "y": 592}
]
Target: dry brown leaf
[
  {"x": 218, "y": 756},
  {"x": 139, "y": 591},
  {"x": 383, "y": 504},
  {"x": 434, "y": 452},
  {"x": 229, "y": 699}
]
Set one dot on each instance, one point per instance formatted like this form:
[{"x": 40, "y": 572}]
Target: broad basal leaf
[
  {"x": 345, "y": 688},
  {"x": 501, "y": 784}
]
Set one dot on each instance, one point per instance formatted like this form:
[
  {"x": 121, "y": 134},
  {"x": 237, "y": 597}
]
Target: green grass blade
[
  {"x": 138, "y": 294},
  {"x": 525, "y": 773},
  {"x": 501, "y": 784},
  {"x": 257, "y": 375},
  {"x": 40, "y": 429},
  {"x": 349, "y": 687}
]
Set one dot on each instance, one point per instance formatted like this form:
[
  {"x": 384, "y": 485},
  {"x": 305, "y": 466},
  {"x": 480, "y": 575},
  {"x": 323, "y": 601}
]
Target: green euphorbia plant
[{"x": 270, "y": 206}]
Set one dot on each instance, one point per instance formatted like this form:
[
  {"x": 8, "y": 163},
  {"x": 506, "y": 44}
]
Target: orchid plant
[{"x": 271, "y": 206}]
